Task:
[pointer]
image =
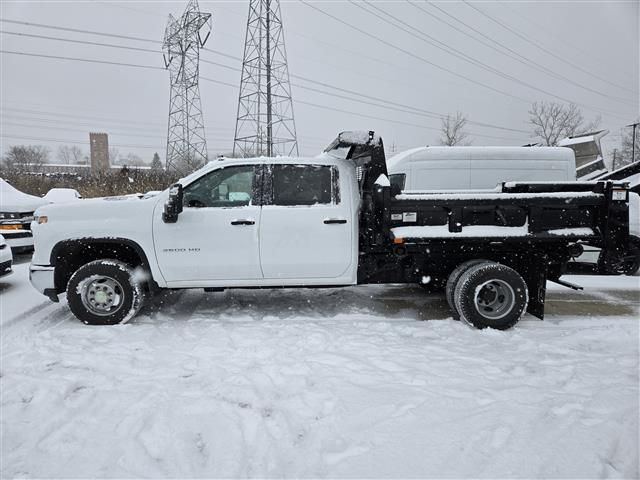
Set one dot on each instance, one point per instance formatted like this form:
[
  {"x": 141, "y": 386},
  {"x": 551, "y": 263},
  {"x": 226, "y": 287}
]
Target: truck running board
[{"x": 567, "y": 284}]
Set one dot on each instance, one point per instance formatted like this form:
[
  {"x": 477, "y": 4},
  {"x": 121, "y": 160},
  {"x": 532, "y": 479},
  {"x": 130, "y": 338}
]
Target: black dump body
[{"x": 535, "y": 228}]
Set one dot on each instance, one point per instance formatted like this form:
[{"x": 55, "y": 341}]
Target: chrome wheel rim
[
  {"x": 494, "y": 299},
  {"x": 102, "y": 295}
]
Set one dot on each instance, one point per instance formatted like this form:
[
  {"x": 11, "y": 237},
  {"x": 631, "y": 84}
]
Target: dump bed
[{"x": 586, "y": 211}]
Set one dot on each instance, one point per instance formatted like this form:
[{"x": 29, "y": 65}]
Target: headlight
[{"x": 40, "y": 219}]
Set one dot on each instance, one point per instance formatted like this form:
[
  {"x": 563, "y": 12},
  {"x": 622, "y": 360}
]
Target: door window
[
  {"x": 304, "y": 185},
  {"x": 226, "y": 187}
]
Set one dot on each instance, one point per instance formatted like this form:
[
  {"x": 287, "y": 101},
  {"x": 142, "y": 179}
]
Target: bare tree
[
  {"x": 452, "y": 130},
  {"x": 553, "y": 121},
  {"x": 114, "y": 155},
  {"x": 133, "y": 160},
  {"x": 70, "y": 154},
  {"x": 26, "y": 156}
]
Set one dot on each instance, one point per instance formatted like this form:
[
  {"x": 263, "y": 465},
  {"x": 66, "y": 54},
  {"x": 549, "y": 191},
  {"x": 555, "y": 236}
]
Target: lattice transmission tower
[
  {"x": 265, "y": 123},
  {"x": 183, "y": 39}
]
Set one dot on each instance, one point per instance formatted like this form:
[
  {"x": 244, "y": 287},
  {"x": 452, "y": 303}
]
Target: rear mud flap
[{"x": 535, "y": 277}]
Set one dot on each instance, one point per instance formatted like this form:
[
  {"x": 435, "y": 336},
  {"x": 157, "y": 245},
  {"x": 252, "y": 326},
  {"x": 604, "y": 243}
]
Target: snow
[
  {"x": 320, "y": 383},
  {"x": 383, "y": 181},
  {"x": 62, "y": 195},
  {"x": 13, "y": 200},
  {"x": 572, "y": 231},
  {"x": 491, "y": 195},
  {"x": 442, "y": 231},
  {"x": 359, "y": 137}
]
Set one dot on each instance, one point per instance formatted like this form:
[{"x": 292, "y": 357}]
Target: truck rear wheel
[
  {"x": 452, "y": 281},
  {"x": 628, "y": 263},
  {"x": 104, "y": 292},
  {"x": 492, "y": 295}
]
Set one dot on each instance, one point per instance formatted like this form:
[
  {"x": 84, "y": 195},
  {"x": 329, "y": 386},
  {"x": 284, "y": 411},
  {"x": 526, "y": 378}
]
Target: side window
[
  {"x": 305, "y": 185},
  {"x": 227, "y": 187},
  {"x": 398, "y": 179}
]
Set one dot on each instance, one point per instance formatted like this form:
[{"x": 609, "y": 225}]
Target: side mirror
[
  {"x": 173, "y": 205},
  {"x": 395, "y": 189}
]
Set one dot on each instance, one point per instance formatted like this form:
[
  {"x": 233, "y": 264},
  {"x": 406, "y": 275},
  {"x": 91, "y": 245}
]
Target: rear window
[{"x": 304, "y": 184}]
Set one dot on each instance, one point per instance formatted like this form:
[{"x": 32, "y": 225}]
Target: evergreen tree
[{"x": 156, "y": 164}]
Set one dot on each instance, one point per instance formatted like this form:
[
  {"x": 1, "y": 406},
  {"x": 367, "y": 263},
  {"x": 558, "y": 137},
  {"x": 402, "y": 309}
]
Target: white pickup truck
[{"x": 332, "y": 220}]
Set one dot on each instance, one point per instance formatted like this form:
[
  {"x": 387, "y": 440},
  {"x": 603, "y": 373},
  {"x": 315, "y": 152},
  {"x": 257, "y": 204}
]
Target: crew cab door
[
  {"x": 216, "y": 235},
  {"x": 306, "y": 228}
]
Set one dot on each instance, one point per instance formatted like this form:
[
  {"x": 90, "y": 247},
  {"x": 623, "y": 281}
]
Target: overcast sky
[{"x": 584, "y": 52}]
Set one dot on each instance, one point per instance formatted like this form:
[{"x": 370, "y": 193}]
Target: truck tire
[
  {"x": 104, "y": 292},
  {"x": 491, "y": 295},
  {"x": 452, "y": 281},
  {"x": 627, "y": 264}
]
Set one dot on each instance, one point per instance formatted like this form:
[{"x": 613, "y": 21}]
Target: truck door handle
[
  {"x": 242, "y": 222},
  {"x": 330, "y": 221}
]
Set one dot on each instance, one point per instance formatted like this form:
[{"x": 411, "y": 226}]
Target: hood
[
  {"x": 104, "y": 208},
  {"x": 13, "y": 200}
]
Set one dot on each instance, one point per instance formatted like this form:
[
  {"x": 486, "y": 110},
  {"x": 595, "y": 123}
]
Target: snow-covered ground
[{"x": 321, "y": 383}]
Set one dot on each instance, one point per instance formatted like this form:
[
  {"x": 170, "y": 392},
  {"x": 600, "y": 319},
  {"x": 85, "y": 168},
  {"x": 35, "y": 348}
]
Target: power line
[
  {"x": 399, "y": 107},
  {"x": 77, "y": 30},
  {"x": 142, "y": 39},
  {"x": 392, "y": 106},
  {"x": 567, "y": 43},
  {"x": 509, "y": 51},
  {"x": 457, "y": 53},
  {"x": 404, "y": 108},
  {"x": 87, "y": 60},
  {"x": 73, "y": 142},
  {"x": 411, "y": 54},
  {"x": 537, "y": 45},
  {"x": 94, "y": 125},
  {"x": 234, "y": 86},
  {"x": 57, "y": 121},
  {"x": 111, "y": 132}
]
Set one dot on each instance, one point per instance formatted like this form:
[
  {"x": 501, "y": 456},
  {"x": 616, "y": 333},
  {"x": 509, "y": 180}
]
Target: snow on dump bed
[
  {"x": 568, "y": 196},
  {"x": 442, "y": 231},
  {"x": 320, "y": 383},
  {"x": 567, "y": 232}
]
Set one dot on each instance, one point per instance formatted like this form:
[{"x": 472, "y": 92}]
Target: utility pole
[
  {"x": 183, "y": 39},
  {"x": 633, "y": 141},
  {"x": 265, "y": 123}
]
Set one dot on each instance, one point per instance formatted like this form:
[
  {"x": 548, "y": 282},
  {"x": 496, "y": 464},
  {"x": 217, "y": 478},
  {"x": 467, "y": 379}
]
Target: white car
[
  {"x": 62, "y": 195},
  {"x": 16, "y": 214},
  {"x": 6, "y": 258}
]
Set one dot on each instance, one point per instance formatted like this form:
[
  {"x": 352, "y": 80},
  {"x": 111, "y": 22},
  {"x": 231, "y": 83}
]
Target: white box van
[{"x": 477, "y": 168}]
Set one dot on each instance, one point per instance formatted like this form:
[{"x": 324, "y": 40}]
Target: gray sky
[{"x": 43, "y": 100}]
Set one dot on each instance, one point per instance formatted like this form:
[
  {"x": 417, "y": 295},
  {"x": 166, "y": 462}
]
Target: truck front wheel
[
  {"x": 104, "y": 292},
  {"x": 491, "y": 295}
]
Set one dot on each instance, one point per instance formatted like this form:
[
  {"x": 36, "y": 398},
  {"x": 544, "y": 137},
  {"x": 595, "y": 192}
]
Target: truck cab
[{"x": 262, "y": 222}]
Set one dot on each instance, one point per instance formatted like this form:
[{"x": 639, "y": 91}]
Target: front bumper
[
  {"x": 18, "y": 239},
  {"x": 42, "y": 278}
]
